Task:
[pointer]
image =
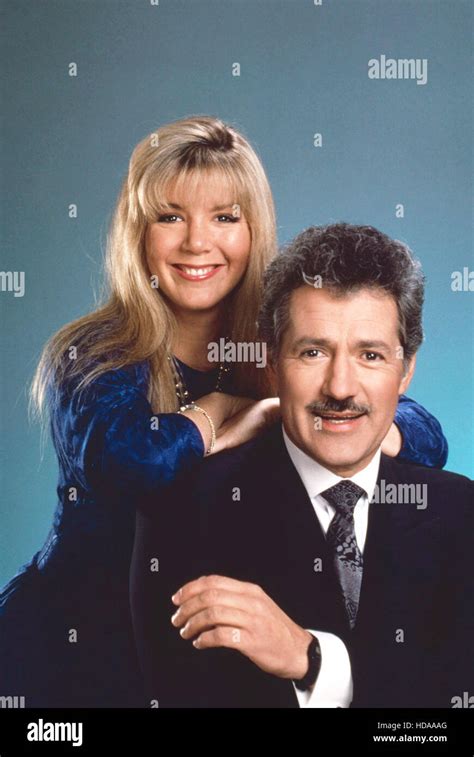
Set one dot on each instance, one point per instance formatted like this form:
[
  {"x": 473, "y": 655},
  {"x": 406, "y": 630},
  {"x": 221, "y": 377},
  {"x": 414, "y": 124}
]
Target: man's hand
[{"x": 223, "y": 612}]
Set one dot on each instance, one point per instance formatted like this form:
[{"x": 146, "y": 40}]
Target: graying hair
[{"x": 347, "y": 258}]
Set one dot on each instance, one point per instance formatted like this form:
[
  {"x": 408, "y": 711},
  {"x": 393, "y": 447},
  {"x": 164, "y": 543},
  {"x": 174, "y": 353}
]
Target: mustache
[{"x": 331, "y": 405}]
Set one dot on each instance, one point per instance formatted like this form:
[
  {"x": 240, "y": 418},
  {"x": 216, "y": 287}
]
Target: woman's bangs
[{"x": 155, "y": 192}]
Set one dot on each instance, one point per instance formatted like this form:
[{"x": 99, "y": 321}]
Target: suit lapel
[{"x": 401, "y": 545}]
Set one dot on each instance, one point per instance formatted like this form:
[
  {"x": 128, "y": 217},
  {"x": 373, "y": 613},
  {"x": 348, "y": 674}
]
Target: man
[{"x": 307, "y": 568}]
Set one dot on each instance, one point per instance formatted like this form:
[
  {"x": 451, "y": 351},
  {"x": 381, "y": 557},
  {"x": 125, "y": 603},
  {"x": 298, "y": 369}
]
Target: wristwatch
[{"x": 314, "y": 666}]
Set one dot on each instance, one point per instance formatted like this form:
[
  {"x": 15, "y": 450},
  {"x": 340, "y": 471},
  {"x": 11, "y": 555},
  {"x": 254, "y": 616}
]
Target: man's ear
[
  {"x": 406, "y": 380},
  {"x": 272, "y": 376}
]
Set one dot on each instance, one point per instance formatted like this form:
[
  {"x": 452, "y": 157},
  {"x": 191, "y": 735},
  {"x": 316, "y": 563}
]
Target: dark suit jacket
[{"x": 245, "y": 513}]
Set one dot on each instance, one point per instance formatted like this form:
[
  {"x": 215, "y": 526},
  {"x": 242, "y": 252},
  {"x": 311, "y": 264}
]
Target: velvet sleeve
[
  {"x": 423, "y": 440},
  {"x": 109, "y": 438}
]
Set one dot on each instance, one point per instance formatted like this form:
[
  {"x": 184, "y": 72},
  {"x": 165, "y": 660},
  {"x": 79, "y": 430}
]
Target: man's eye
[
  {"x": 228, "y": 218},
  {"x": 373, "y": 356},
  {"x": 170, "y": 218},
  {"x": 314, "y": 353}
]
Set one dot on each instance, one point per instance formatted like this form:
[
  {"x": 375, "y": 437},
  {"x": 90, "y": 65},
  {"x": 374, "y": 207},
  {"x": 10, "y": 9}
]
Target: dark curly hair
[{"x": 347, "y": 258}]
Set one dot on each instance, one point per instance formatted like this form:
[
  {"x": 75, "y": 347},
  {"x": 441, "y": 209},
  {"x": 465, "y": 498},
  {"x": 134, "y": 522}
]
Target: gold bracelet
[{"x": 193, "y": 406}]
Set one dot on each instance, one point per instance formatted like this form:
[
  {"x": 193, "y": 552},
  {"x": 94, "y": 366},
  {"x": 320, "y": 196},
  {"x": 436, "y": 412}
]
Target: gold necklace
[{"x": 182, "y": 392}]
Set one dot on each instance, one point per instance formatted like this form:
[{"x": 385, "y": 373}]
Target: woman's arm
[
  {"x": 110, "y": 433},
  {"x": 109, "y": 436},
  {"x": 423, "y": 441}
]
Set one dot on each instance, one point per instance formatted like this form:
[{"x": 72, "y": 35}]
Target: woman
[{"x": 191, "y": 236}]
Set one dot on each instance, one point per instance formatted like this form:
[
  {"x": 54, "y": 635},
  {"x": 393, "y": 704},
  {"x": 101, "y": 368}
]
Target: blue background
[{"x": 303, "y": 70}]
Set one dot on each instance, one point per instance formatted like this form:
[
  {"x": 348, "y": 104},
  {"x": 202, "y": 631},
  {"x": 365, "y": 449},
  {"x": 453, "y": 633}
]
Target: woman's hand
[
  {"x": 247, "y": 423},
  {"x": 219, "y": 406},
  {"x": 236, "y": 419},
  {"x": 392, "y": 443}
]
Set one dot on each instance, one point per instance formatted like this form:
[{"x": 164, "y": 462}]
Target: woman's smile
[{"x": 197, "y": 273}]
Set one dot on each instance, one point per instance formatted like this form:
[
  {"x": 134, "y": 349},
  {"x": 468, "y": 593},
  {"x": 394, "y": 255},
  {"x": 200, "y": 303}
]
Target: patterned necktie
[{"x": 342, "y": 541}]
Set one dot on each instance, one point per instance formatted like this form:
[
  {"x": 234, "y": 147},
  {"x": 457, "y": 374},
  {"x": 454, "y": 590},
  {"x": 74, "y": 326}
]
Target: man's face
[{"x": 339, "y": 373}]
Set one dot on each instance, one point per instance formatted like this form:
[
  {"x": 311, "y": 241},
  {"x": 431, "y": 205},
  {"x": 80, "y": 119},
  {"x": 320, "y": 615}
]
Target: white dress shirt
[{"x": 333, "y": 687}]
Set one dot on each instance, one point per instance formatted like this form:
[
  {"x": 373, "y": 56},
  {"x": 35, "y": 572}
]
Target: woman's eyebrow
[
  {"x": 222, "y": 207},
  {"x": 175, "y": 206}
]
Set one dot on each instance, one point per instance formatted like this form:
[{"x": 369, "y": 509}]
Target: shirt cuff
[{"x": 333, "y": 687}]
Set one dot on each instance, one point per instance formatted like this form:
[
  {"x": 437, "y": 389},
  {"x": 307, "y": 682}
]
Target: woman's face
[{"x": 199, "y": 246}]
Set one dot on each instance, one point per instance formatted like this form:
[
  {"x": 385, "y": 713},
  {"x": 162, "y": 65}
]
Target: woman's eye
[
  {"x": 170, "y": 218},
  {"x": 228, "y": 218}
]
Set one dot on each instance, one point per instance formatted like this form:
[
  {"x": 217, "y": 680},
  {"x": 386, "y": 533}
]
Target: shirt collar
[{"x": 317, "y": 479}]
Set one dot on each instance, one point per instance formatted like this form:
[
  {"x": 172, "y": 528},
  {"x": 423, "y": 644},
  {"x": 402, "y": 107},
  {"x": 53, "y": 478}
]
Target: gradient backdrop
[{"x": 303, "y": 71}]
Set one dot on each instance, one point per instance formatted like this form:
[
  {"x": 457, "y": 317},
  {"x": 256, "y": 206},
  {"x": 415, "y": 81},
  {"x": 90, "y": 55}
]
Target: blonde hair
[{"x": 134, "y": 322}]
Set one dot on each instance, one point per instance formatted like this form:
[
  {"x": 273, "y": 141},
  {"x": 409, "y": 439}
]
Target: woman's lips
[{"x": 196, "y": 273}]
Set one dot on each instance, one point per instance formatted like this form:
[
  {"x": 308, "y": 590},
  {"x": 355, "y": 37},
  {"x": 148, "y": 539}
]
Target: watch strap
[{"x": 314, "y": 666}]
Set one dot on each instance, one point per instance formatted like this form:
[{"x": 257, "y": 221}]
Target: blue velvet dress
[{"x": 66, "y": 637}]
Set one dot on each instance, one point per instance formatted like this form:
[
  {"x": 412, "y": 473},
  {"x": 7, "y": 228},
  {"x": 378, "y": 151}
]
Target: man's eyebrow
[
  {"x": 311, "y": 340},
  {"x": 374, "y": 344},
  {"x": 366, "y": 344}
]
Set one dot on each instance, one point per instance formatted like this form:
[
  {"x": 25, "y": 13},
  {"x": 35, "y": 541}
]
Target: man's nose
[{"x": 340, "y": 380}]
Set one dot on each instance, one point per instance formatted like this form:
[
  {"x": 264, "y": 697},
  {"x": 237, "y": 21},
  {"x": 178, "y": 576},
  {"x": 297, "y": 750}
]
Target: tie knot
[{"x": 343, "y": 496}]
